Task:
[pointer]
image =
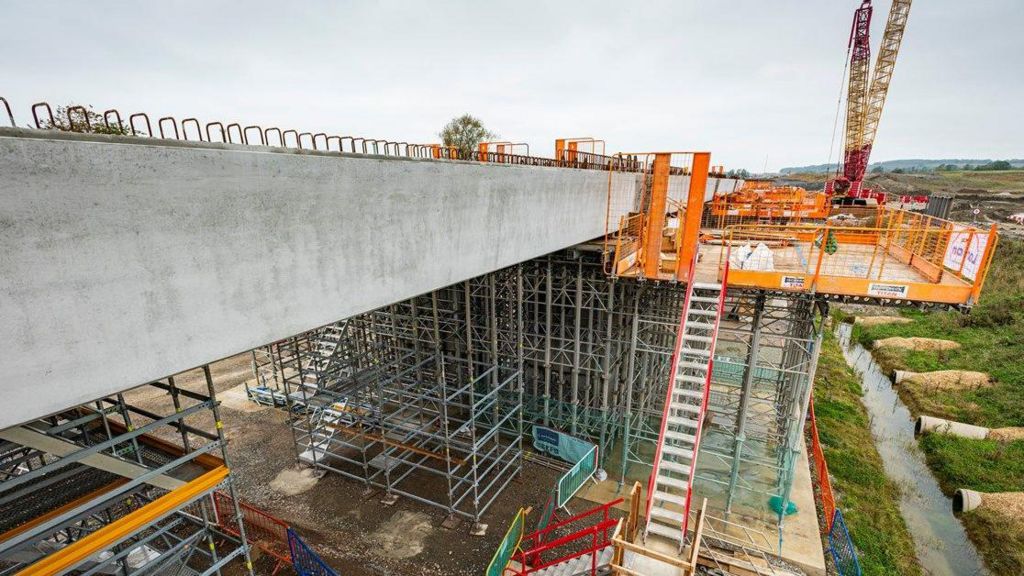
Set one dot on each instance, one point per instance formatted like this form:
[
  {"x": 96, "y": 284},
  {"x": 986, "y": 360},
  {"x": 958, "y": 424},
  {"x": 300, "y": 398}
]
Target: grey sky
[{"x": 744, "y": 79}]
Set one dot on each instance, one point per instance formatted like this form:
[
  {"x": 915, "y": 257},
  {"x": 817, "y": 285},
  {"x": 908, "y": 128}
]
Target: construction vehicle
[{"x": 864, "y": 100}]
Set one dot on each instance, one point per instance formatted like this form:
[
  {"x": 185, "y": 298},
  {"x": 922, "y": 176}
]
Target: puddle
[{"x": 939, "y": 539}]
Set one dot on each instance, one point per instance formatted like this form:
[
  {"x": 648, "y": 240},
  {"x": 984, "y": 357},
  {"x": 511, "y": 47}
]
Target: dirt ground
[{"x": 350, "y": 528}]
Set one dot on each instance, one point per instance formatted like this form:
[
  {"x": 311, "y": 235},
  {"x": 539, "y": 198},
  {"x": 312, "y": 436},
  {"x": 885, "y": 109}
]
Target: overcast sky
[{"x": 748, "y": 80}]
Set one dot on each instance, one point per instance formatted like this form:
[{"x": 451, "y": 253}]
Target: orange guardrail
[{"x": 902, "y": 256}]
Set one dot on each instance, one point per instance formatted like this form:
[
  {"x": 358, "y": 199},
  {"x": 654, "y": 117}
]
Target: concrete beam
[{"x": 126, "y": 260}]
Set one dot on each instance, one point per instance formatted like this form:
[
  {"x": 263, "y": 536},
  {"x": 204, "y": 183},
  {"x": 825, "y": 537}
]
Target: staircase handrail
[
  {"x": 707, "y": 388},
  {"x": 673, "y": 368},
  {"x": 602, "y": 509}
]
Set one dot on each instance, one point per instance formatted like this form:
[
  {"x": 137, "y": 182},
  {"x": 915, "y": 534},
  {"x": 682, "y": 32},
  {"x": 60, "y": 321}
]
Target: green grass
[
  {"x": 992, "y": 340},
  {"x": 868, "y": 499},
  {"x": 983, "y": 465}
]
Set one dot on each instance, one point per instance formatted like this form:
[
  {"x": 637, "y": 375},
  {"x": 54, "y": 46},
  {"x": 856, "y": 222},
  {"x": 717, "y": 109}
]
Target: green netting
[
  {"x": 730, "y": 371},
  {"x": 507, "y": 547}
]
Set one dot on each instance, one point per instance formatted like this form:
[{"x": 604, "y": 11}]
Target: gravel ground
[{"x": 350, "y": 528}]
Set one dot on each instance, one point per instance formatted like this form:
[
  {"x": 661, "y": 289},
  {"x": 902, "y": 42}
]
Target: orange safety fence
[
  {"x": 266, "y": 532},
  {"x": 820, "y": 477}
]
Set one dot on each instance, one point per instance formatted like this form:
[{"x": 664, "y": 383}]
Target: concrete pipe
[
  {"x": 966, "y": 500},
  {"x": 898, "y": 376},
  {"x": 941, "y": 426}
]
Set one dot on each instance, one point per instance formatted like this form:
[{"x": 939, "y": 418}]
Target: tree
[
  {"x": 77, "y": 121},
  {"x": 878, "y": 169},
  {"x": 465, "y": 133}
]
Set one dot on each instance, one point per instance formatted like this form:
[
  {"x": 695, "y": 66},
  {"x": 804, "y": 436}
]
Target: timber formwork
[
  {"x": 100, "y": 489},
  {"x": 590, "y": 355}
]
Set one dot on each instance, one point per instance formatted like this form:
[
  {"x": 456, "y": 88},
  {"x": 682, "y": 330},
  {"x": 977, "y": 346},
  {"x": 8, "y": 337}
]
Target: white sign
[
  {"x": 793, "y": 282},
  {"x": 958, "y": 253},
  {"x": 888, "y": 290}
]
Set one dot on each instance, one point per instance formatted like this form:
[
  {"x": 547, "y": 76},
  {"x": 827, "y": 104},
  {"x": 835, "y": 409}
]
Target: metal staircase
[
  {"x": 671, "y": 482},
  {"x": 587, "y": 565}
]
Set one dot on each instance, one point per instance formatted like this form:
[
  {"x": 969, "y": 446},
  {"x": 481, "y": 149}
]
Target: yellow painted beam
[{"x": 67, "y": 558}]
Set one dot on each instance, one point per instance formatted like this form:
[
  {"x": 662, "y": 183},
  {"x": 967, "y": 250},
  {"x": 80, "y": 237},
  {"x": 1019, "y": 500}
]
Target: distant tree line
[{"x": 988, "y": 166}]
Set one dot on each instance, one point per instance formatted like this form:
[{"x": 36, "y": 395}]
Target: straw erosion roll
[{"x": 944, "y": 379}]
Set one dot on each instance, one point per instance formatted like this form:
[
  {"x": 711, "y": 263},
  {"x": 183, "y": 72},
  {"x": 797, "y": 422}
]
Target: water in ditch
[{"x": 939, "y": 539}]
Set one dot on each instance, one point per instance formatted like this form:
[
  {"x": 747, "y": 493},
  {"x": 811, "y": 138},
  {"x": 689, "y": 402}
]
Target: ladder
[{"x": 671, "y": 483}]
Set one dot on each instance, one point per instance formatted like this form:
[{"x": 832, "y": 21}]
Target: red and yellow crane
[{"x": 864, "y": 100}]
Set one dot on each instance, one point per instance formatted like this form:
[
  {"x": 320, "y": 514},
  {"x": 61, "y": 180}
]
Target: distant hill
[{"x": 889, "y": 165}]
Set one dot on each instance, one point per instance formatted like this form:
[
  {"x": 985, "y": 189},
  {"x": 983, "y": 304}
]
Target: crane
[{"x": 864, "y": 100}]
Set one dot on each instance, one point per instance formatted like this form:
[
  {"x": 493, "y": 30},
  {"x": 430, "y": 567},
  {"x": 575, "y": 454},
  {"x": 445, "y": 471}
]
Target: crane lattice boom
[{"x": 865, "y": 101}]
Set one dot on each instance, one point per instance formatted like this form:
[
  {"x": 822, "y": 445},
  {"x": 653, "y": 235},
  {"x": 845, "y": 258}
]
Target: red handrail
[
  {"x": 707, "y": 390},
  {"x": 597, "y": 532},
  {"x": 673, "y": 367},
  {"x": 603, "y": 508}
]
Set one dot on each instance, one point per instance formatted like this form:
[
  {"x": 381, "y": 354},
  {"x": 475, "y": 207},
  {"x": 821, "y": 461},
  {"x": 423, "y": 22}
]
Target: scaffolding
[
  {"x": 383, "y": 398},
  {"x": 97, "y": 489},
  {"x": 422, "y": 398},
  {"x": 764, "y": 366}
]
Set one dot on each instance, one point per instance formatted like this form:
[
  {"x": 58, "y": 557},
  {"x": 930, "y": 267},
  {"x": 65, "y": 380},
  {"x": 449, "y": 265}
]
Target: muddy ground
[{"x": 349, "y": 527}]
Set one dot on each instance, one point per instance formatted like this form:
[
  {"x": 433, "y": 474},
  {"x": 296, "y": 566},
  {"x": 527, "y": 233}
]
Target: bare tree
[{"x": 465, "y": 133}]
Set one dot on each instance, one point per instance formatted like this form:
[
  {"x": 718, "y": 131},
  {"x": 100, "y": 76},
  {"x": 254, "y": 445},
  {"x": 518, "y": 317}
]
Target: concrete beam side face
[{"x": 122, "y": 263}]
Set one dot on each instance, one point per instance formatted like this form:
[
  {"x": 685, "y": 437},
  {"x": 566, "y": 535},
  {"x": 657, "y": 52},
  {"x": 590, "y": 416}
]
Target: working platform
[{"x": 877, "y": 254}]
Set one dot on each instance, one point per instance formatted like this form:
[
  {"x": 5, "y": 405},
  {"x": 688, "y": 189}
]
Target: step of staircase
[
  {"x": 665, "y": 531},
  {"x": 678, "y": 444},
  {"x": 672, "y": 516},
  {"x": 675, "y": 467},
  {"x": 679, "y": 436},
  {"x": 669, "y": 481},
  {"x": 581, "y": 565},
  {"x": 704, "y": 299},
  {"x": 678, "y": 452},
  {"x": 685, "y": 407},
  {"x": 676, "y": 499}
]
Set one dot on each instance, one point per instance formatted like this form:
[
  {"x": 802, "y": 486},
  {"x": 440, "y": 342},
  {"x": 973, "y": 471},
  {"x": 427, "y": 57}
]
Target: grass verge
[
  {"x": 992, "y": 340},
  {"x": 868, "y": 498}
]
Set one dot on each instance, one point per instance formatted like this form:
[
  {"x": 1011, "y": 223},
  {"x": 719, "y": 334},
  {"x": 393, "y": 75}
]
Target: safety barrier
[
  {"x": 266, "y": 532},
  {"x": 821, "y": 479},
  {"x": 594, "y": 536},
  {"x": 571, "y": 482},
  {"x": 508, "y": 546},
  {"x": 549, "y": 510},
  {"x": 305, "y": 561},
  {"x": 841, "y": 547},
  {"x": 843, "y": 553}
]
